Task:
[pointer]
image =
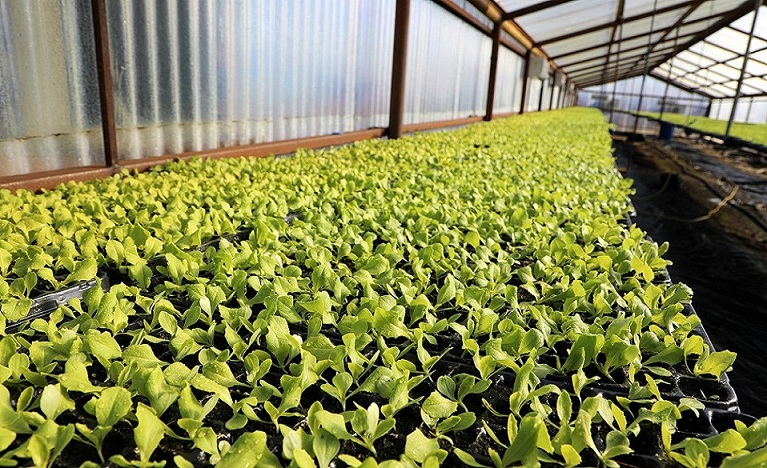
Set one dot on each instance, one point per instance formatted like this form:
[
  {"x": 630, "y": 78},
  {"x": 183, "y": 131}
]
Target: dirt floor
[{"x": 711, "y": 206}]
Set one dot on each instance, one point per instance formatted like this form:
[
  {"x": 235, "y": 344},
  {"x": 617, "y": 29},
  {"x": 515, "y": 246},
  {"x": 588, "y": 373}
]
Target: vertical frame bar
[
  {"x": 551, "y": 98},
  {"x": 399, "y": 64},
  {"x": 540, "y": 95},
  {"x": 104, "y": 69},
  {"x": 757, "y": 4},
  {"x": 493, "y": 70},
  {"x": 525, "y": 79}
]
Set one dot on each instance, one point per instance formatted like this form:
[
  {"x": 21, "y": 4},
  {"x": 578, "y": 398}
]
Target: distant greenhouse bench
[
  {"x": 473, "y": 297},
  {"x": 748, "y": 135}
]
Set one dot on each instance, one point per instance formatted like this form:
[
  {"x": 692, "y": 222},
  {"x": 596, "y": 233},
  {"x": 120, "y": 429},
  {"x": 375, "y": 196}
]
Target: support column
[
  {"x": 525, "y": 80},
  {"x": 493, "y": 70},
  {"x": 399, "y": 63},
  {"x": 551, "y": 98},
  {"x": 104, "y": 71},
  {"x": 757, "y": 4}
]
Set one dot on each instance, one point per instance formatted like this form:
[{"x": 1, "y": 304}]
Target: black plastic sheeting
[{"x": 728, "y": 276}]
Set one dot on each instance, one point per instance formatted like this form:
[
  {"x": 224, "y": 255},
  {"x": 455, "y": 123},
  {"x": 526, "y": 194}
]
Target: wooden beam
[
  {"x": 533, "y": 8},
  {"x": 104, "y": 72},
  {"x": 525, "y": 81},
  {"x": 399, "y": 64},
  {"x": 493, "y": 71}
]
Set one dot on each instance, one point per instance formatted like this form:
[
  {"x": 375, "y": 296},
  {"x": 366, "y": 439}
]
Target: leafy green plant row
[
  {"x": 457, "y": 297},
  {"x": 756, "y": 133}
]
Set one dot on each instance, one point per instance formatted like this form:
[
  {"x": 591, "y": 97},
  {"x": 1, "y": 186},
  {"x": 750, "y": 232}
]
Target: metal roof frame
[{"x": 683, "y": 24}]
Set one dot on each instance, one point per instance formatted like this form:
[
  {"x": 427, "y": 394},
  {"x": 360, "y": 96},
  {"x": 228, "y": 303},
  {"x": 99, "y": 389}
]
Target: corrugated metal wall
[
  {"x": 508, "y": 81},
  {"x": 49, "y": 111},
  {"x": 195, "y": 76},
  {"x": 447, "y": 67}
]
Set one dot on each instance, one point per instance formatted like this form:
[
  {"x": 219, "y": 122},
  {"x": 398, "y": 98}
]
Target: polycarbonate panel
[
  {"x": 510, "y": 5},
  {"x": 725, "y": 70},
  {"x": 759, "y": 111},
  {"x": 508, "y": 82},
  {"x": 638, "y": 8},
  {"x": 683, "y": 32},
  {"x": 757, "y": 83},
  {"x": 447, "y": 67},
  {"x": 580, "y": 15},
  {"x": 710, "y": 8},
  {"x": 712, "y": 51},
  {"x": 574, "y": 58},
  {"x": 640, "y": 41},
  {"x": 698, "y": 59},
  {"x": 755, "y": 68},
  {"x": 506, "y": 37},
  {"x": 723, "y": 89},
  {"x": 744, "y": 23},
  {"x": 726, "y": 109},
  {"x": 49, "y": 109},
  {"x": 209, "y": 74},
  {"x": 474, "y": 12},
  {"x": 661, "y": 22},
  {"x": 579, "y": 42},
  {"x": 735, "y": 40}
]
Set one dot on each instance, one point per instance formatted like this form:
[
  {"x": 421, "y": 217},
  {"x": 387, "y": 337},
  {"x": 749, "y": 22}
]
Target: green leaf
[
  {"x": 113, "y": 405},
  {"x": 84, "y": 270},
  {"x": 7, "y": 437},
  {"x": 54, "y": 401},
  {"x": 755, "y": 459},
  {"x": 524, "y": 444},
  {"x": 148, "y": 433},
  {"x": 418, "y": 447},
  {"x": 447, "y": 291},
  {"x": 729, "y": 441},
  {"x": 325, "y": 446},
  {"x": 320, "y": 306},
  {"x": 438, "y": 407},
  {"x": 715, "y": 364},
  {"x": 247, "y": 451}
]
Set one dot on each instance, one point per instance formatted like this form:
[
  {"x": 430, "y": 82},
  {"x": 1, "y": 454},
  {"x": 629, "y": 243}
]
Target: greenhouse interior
[{"x": 383, "y": 233}]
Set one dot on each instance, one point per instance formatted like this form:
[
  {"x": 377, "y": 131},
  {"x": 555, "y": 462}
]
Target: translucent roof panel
[
  {"x": 579, "y": 42},
  {"x": 757, "y": 83},
  {"x": 598, "y": 41},
  {"x": 719, "y": 59},
  {"x": 581, "y": 15}
]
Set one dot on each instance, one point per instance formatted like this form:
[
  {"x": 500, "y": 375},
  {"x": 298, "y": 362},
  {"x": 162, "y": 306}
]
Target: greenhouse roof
[{"x": 697, "y": 44}]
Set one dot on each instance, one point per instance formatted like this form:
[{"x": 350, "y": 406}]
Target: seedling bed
[{"x": 516, "y": 322}]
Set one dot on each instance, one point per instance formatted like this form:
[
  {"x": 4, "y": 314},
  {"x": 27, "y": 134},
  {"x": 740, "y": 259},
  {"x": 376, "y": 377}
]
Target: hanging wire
[{"x": 646, "y": 64}]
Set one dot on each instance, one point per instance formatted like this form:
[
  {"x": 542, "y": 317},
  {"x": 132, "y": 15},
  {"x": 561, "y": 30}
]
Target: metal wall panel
[
  {"x": 508, "y": 82},
  {"x": 49, "y": 111},
  {"x": 191, "y": 76},
  {"x": 447, "y": 67}
]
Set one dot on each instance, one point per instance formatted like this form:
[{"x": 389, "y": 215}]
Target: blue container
[{"x": 666, "y": 131}]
